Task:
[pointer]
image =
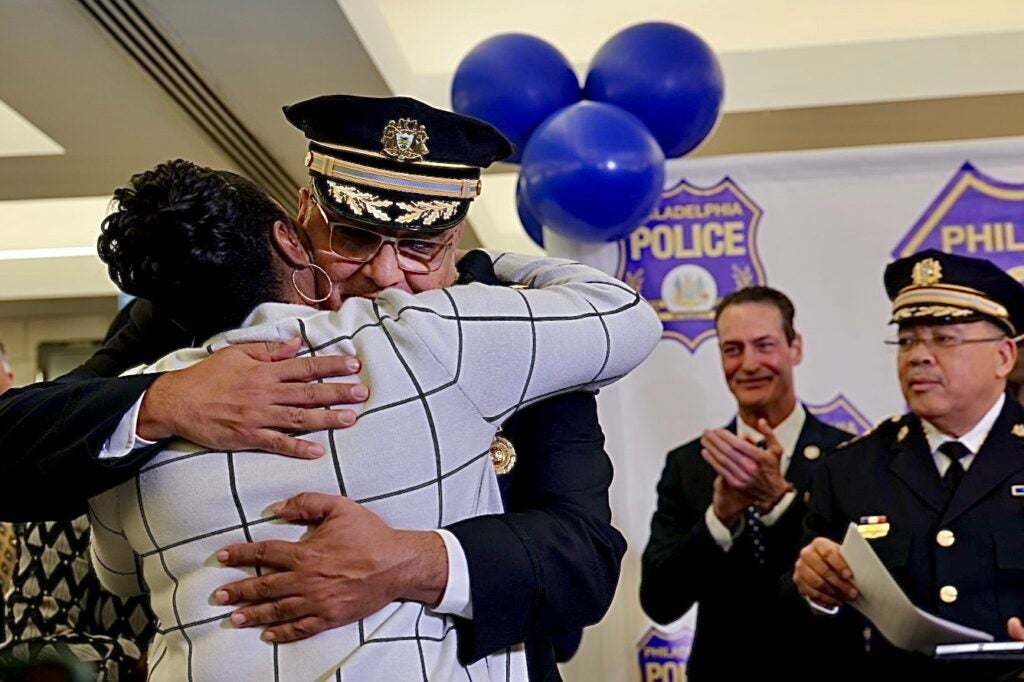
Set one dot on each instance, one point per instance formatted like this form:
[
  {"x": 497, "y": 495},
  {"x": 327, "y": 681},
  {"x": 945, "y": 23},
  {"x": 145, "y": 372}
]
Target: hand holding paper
[{"x": 883, "y": 603}]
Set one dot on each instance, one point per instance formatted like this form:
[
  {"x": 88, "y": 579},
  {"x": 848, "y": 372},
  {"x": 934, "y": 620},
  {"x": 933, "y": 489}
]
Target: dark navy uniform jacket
[
  {"x": 739, "y": 623},
  {"x": 964, "y": 562}
]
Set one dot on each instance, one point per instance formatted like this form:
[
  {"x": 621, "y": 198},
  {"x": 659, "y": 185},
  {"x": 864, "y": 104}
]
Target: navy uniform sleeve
[
  {"x": 550, "y": 564},
  {"x": 51, "y": 432}
]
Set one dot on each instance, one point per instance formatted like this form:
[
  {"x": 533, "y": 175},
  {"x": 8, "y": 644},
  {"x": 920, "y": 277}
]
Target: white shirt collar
[
  {"x": 787, "y": 432},
  {"x": 973, "y": 439}
]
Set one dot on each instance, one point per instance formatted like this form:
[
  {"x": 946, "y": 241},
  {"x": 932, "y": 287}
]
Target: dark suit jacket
[
  {"x": 549, "y": 566},
  {"x": 891, "y": 472},
  {"x": 739, "y": 616}
]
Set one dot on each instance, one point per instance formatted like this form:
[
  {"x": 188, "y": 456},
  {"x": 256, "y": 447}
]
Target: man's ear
[
  {"x": 288, "y": 244},
  {"x": 1006, "y": 358},
  {"x": 305, "y": 204},
  {"x": 797, "y": 349}
]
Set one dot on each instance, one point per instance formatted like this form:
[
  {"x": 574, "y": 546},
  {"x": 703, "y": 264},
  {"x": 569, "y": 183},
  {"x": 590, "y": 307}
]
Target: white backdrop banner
[{"x": 820, "y": 226}]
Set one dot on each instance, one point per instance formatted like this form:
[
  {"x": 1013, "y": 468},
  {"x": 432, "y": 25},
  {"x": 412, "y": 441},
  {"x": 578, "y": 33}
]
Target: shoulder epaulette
[{"x": 882, "y": 426}]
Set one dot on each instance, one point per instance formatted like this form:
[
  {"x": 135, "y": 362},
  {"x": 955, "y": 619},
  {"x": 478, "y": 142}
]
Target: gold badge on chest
[{"x": 503, "y": 455}]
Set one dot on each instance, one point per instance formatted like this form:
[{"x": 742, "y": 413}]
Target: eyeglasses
[
  {"x": 358, "y": 245},
  {"x": 905, "y": 344}
]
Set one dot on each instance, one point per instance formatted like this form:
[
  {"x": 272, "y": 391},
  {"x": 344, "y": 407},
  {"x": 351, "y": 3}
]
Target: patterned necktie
[
  {"x": 956, "y": 451},
  {"x": 752, "y": 516}
]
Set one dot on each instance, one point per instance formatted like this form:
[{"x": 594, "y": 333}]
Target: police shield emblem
[
  {"x": 974, "y": 215},
  {"x": 698, "y": 245},
  {"x": 663, "y": 656},
  {"x": 841, "y": 413}
]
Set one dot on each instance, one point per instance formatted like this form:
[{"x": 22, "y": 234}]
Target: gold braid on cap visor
[
  {"x": 946, "y": 301},
  {"x": 369, "y": 176}
]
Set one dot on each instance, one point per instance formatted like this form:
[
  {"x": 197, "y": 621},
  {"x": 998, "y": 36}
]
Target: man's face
[
  {"x": 949, "y": 383},
  {"x": 382, "y": 271},
  {"x": 756, "y": 358}
]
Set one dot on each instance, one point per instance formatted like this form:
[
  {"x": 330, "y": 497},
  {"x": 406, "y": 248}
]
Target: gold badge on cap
[
  {"x": 927, "y": 272},
  {"x": 1018, "y": 430},
  {"x": 503, "y": 455},
  {"x": 405, "y": 140},
  {"x": 812, "y": 452}
]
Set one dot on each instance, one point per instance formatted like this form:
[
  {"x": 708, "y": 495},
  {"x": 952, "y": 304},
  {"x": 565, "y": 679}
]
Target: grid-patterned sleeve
[
  {"x": 571, "y": 328},
  {"x": 115, "y": 562}
]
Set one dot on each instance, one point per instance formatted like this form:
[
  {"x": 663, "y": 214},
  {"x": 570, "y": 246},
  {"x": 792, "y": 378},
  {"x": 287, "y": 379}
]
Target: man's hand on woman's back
[{"x": 250, "y": 397}]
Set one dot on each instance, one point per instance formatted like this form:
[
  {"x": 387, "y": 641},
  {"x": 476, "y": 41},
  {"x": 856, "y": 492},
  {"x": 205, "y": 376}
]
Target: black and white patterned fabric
[
  {"x": 445, "y": 368},
  {"x": 57, "y": 612}
]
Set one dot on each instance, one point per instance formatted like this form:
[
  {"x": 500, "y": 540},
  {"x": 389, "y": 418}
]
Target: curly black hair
[{"x": 195, "y": 241}]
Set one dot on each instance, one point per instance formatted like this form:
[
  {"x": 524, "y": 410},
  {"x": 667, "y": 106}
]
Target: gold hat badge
[
  {"x": 926, "y": 272},
  {"x": 405, "y": 140}
]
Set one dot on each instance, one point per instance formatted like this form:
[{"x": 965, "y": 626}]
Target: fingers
[
  {"x": 727, "y": 441},
  {"x": 834, "y": 558},
  {"x": 308, "y": 507},
  {"x": 273, "y": 586},
  {"x": 278, "y": 443},
  {"x": 1015, "y": 629},
  {"x": 268, "y": 613},
  {"x": 722, "y": 448},
  {"x": 731, "y": 471},
  {"x": 302, "y": 628},
  {"x": 769, "y": 435},
  {"x": 306, "y": 419},
  {"x": 318, "y": 395},
  {"x": 270, "y": 352},
  {"x": 269, "y": 553},
  {"x": 823, "y": 575},
  {"x": 312, "y": 368}
]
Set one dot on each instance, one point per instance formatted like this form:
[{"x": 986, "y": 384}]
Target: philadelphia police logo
[
  {"x": 841, "y": 413},
  {"x": 663, "y": 656},
  {"x": 974, "y": 215},
  {"x": 697, "y": 246}
]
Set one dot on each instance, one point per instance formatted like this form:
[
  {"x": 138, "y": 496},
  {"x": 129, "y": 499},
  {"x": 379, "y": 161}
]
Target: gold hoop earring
[{"x": 316, "y": 269}]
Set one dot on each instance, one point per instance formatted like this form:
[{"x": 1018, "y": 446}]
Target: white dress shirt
[{"x": 787, "y": 433}]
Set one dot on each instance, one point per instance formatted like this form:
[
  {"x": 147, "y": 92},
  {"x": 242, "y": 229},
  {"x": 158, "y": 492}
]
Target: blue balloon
[
  {"x": 514, "y": 81},
  {"x": 666, "y": 76},
  {"x": 592, "y": 172},
  {"x": 527, "y": 216}
]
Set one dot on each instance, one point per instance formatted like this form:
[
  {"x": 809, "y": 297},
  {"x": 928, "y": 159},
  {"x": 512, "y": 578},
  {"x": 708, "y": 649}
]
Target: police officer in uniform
[{"x": 938, "y": 492}]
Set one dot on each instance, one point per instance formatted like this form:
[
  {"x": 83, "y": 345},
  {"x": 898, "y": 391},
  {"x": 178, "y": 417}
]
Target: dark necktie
[
  {"x": 956, "y": 451},
  {"x": 753, "y": 518}
]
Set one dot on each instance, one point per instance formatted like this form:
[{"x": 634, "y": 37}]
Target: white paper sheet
[{"x": 883, "y": 603}]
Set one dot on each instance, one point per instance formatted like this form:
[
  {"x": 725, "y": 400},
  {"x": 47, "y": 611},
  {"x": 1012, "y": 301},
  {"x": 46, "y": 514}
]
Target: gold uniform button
[
  {"x": 945, "y": 538},
  {"x": 948, "y": 594},
  {"x": 503, "y": 455}
]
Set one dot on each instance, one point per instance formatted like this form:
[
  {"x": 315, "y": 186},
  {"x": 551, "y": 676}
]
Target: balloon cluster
[{"x": 593, "y": 160}]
